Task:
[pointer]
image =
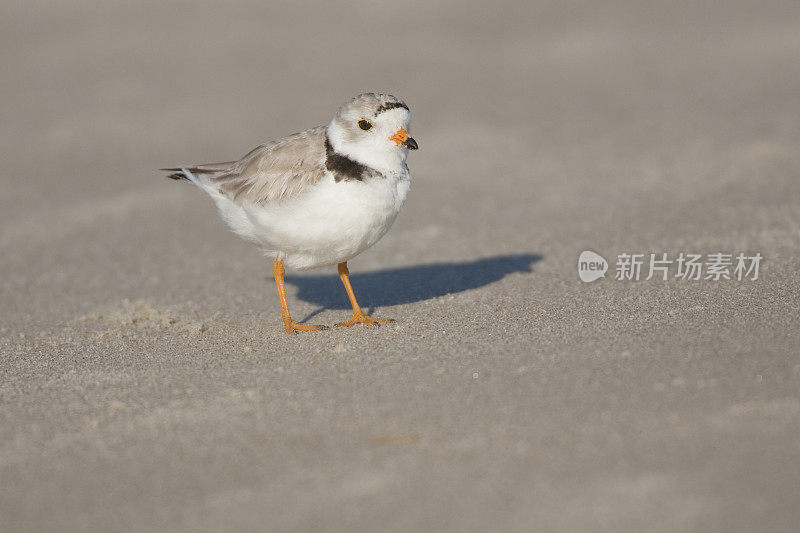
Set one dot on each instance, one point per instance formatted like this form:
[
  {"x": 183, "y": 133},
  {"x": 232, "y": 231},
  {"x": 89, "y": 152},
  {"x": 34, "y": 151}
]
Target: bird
[{"x": 318, "y": 197}]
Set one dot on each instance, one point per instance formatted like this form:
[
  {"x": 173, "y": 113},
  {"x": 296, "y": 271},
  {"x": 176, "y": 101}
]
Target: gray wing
[{"x": 269, "y": 173}]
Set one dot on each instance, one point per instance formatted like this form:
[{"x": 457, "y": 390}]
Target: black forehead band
[{"x": 390, "y": 105}]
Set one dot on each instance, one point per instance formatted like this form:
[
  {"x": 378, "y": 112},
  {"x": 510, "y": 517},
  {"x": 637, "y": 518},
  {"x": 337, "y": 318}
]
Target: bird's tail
[
  {"x": 199, "y": 174},
  {"x": 177, "y": 173}
]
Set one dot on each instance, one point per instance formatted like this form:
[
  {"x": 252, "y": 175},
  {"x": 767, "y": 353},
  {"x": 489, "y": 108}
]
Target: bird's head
[{"x": 373, "y": 129}]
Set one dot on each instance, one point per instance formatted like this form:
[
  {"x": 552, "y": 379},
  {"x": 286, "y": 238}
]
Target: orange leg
[
  {"x": 291, "y": 325},
  {"x": 358, "y": 315}
]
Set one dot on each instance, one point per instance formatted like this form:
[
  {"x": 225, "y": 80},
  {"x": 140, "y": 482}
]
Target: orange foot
[
  {"x": 294, "y": 327},
  {"x": 361, "y": 318}
]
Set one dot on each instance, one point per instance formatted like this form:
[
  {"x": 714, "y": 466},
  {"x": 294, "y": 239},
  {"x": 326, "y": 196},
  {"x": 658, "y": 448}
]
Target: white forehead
[{"x": 397, "y": 116}]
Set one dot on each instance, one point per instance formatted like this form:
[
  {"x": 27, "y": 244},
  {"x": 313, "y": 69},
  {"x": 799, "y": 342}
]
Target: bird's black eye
[{"x": 364, "y": 124}]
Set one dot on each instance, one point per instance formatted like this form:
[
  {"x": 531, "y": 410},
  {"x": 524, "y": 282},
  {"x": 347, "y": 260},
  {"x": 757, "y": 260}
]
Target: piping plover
[{"x": 319, "y": 197}]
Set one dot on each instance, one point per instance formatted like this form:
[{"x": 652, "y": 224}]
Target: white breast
[{"x": 330, "y": 223}]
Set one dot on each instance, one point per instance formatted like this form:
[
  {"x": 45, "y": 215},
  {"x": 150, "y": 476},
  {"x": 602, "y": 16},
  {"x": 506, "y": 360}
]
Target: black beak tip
[{"x": 411, "y": 144}]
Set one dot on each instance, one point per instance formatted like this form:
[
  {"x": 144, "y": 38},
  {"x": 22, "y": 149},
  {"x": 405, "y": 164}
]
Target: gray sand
[{"x": 147, "y": 384}]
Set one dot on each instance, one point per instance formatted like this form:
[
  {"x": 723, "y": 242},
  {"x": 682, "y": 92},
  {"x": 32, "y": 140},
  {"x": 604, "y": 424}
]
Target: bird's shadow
[{"x": 410, "y": 284}]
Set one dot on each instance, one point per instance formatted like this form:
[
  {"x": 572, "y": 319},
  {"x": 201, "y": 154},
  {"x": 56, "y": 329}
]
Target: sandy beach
[{"x": 146, "y": 382}]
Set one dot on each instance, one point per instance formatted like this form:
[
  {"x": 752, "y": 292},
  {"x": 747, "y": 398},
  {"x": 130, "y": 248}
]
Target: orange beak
[{"x": 401, "y": 138}]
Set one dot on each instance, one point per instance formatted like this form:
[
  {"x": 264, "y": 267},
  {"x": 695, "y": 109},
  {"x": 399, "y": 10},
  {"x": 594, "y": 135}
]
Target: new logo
[{"x": 591, "y": 266}]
